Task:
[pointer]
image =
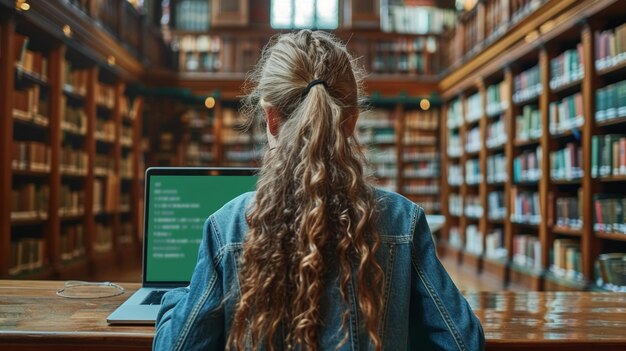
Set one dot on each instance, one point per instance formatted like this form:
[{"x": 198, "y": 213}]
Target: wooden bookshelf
[
  {"x": 35, "y": 60},
  {"x": 563, "y": 39}
]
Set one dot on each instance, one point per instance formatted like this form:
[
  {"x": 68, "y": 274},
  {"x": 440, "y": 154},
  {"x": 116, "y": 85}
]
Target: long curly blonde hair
[{"x": 313, "y": 201}]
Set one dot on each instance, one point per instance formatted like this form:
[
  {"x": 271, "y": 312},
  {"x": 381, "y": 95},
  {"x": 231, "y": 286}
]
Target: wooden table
[{"x": 32, "y": 316}]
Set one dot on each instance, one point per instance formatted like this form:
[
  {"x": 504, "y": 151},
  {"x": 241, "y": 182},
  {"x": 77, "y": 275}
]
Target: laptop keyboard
[{"x": 154, "y": 298}]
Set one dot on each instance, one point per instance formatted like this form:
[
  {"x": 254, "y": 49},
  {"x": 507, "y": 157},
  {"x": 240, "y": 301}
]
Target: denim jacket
[{"x": 423, "y": 309}]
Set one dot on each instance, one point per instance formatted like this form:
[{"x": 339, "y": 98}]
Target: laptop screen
[{"x": 178, "y": 201}]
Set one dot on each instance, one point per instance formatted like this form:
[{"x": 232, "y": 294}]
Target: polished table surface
[{"x": 32, "y": 315}]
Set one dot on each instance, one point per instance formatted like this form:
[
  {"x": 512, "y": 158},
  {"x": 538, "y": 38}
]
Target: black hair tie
[{"x": 312, "y": 84}]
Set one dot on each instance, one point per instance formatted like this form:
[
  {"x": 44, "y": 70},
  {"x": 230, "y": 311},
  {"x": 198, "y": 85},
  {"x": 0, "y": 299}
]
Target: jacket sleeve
[
  {"x": 445, "y": 320},
  {"x": 192, "y": 318}
]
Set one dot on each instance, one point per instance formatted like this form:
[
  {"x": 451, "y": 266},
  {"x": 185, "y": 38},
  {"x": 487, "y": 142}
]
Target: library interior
[{"x": 505, "y": 120}]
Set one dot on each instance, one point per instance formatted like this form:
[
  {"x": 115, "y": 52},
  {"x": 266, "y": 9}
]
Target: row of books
[
  {"x": 105, "y": 95},
  {"x": 73, "y": 162},
  {"x": 72, "y": 242},
  {"x": 104, "y": 165},
  {"x": 473, "y": 173},
  {"x": 126, "y": 167},
  {"x": 421, "y": 187},
  {"x": 218, "y": 54},
  {"x": 567, "y": 163},
  {"x": 496, "y": 169},
  {"x": 71, "y": 201},
  {"x": 455, "y": 238},
  {"x": 611, "y": 101},
  {"x": 609, "y": 213},
  {"x": 568, "y": 211},
  {"x": 394, "y": 58},
  {"x": 455, "y": 174},
  {"x": 525, "y": 207},
  {"x": 404, "y": 45},
  {"x": 30, "y": 201},
  {"x": 27, "y": 60},
  {"x": 196, "y": 154},
  {"x": 496, "y": 17},
  {"x": 527, "y": 85},
  {"x": 422, "y": 169},
  {"x": 474, "y": 108},
  {"x": 567, "y": 67},
  {"x": 234, "y": 137},
  {"x": 527, "y": 252},
  {"x": 106, "y": 195},
  {"x": 126, "y": 136},
  {"x": 103, "y": 238},
  {"x": 494, "y": 245},
  {"x": 473, "y": 206},
  {"x": 31, "y": 105},
  {"x": 473, "y": 140},
  {"x": 417, "y": 19},
  {"x": 31, "y": 155},
  {"x": 522, "y": 8},
  {"x": 74, "y": 79},
  {"x": 496, "y": 205},
  {"x": 527, "y": 166},
  {"x": 202, "y": 43},
  {"x": 417, "y": 119},
  {"x": 528, "y": 124},
  {"x": 414, "y": 154},
  {"x": 105, "y": 130},
  {"x": 27, "y": 254},
  {"x": 202, "y": 61},
  {"x": 418, "y": 137},
  {"x": 566, "y": 114},
  {"x": 129, "y": 108},
  {"x": 455, "y": 204},
  {"x": 193, "y": 15},
  {"x": 608, "y": 155},
  {"x": 497, "y": 99},
  {"x": 454, "y": 145},
  {"x": 243, "y": 154},
  {"x": 389, "y": 155},
  {"x": 454, "y": 114},
  {"x": 125, "y": 204},
  {"x": 376, "y": 118},
  {"x": 610, "y": 47},
  {"x": 496, "y": 133},
  {"x": 566, "y": 259},
  {"x": 74, "y": 118},
  {"x": 473, "y": 240}
]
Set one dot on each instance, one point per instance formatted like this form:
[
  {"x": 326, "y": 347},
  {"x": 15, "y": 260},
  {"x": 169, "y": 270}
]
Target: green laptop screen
[{"x": 178, "y": 207}]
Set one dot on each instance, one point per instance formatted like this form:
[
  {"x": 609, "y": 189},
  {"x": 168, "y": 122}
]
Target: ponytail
[{"x": 313, "y": 201}]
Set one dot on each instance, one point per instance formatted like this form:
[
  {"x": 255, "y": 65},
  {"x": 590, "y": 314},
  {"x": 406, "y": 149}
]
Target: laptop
[{"x": 177, "y": 202}]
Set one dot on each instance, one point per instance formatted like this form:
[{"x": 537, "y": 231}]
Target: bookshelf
[
  {"x": 562, "y": 202},
  {"x": 64, "y": 124},
  {"x": 227, "y": 54},
  {"x": 400, "y": 140}
]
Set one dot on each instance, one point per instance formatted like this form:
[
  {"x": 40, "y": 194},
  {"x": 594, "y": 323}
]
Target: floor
[{"x": 466, "y": 279}]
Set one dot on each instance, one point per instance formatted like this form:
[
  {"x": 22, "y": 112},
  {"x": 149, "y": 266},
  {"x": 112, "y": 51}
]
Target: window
[{"x": 317, "y": 14}]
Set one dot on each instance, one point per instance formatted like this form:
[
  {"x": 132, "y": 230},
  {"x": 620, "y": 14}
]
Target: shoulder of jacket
[
  {"x": 229, "y": 224},
  {"x": 397, "y": 214}
]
